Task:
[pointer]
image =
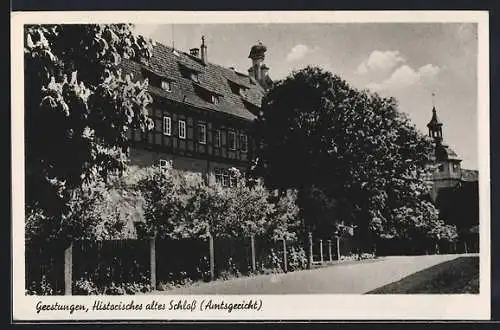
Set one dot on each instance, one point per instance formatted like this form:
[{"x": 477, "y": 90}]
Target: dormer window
[
  {"x": 166, "y": 85},
  {"x": 195, "y": 77},
  {"x": 159, "y": 79},
  {"x": 214, "y": 99},
  {"x": 189, "y": 72},
  {"x": 207, "y": 93},
  {"x": 237, "y": 88},
  {"x": 243, "y": 92}
]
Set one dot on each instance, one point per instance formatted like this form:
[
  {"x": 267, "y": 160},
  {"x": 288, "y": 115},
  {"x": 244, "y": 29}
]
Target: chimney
[
  {"x": 203, "y": 50},
  {"x": 194, "y": 52}
]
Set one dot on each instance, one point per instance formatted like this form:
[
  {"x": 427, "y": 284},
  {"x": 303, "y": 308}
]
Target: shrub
[
  {"x": 41, "y": 288},
  {"x": 85, "y": 287},
  {"x": 272, "y": 263},
  {"x": 296, "y": 258}
]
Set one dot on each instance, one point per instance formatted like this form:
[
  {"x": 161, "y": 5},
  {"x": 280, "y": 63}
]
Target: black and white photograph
[{"x": 235, "y": 167}]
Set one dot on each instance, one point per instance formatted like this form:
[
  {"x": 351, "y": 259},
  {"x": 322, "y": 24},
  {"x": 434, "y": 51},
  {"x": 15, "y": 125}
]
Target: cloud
[
  {"x": 380, "y": 61},
  {"x": 298, "y": 51},
  {"x": 405, "y": 76}
]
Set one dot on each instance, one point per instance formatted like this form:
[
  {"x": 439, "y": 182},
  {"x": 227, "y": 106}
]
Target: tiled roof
[
  {"x": 444, "y": 152},
  {"x": 214, "y": 78},
  {"x": 470, "y": 175}
]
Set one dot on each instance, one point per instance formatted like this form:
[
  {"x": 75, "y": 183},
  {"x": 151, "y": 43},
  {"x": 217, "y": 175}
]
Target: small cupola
[
  {"x": 257, "y": 52},
  {"x": 259, "y": 71}
]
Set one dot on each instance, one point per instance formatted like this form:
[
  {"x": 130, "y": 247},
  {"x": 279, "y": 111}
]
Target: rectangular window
[
  {"x": 217, "y": 138},
  {"x": 231, "y": 140},
  {"x": 182, "y": 129},
  {"x": 218, "y": 175},
  {"x": 202, "y": 133},
  {"x": 233, "y": 181},
  {"x": 224, "y": 178},
  {"x": 167, "y": 125},
  {"x": 243, "y": 142},
  {"x": 166, "y": 85}
]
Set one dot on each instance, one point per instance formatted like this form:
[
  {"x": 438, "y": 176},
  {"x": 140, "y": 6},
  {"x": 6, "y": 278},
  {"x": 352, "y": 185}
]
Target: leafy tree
[
  {"x": 78, "y": 108},
  {"x": 97, "y": 212},
  {"x": 161, "y": 189},
  {"x": 353, "y": 156}
]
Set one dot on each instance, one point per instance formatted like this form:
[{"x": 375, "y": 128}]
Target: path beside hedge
[{"x": 358, "y": 278}]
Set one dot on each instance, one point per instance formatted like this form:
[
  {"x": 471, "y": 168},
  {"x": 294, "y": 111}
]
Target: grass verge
[{"x": 460, "y": 275}]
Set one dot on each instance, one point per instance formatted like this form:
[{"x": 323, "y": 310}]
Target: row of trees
[
  {"x": 181, "y": 205},
  {"x": 351, "y": 156},
  {"x": 166, "y": 203}
]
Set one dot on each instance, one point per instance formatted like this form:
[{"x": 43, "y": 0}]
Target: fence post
[
  {"x": 252, "y": 247},
  {"x": 152, "y": 262},
  {"x": 310, "y": 259},
  {"x": 68, "y": 270},
  {"x": 338, "y": 248},
  {"x": 321, "y": 251},
  {"x": 285, "y": 263},
  {"x": 330, "y": 257},
  {"x": 212, "y": 257},
  {"x": 465, "y": 246}
]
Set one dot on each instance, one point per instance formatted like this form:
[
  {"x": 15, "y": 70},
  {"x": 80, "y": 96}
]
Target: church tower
[{"x": 448, "y": 171}]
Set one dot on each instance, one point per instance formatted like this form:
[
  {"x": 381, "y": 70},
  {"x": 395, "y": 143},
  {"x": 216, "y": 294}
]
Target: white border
[{"x": 275, "y": 307}]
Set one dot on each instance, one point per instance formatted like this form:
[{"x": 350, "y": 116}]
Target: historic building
[
  {"x": 202, "y": 112},
  {"x": 449, "y": 173},
  {"x": 455, "y": 191}
]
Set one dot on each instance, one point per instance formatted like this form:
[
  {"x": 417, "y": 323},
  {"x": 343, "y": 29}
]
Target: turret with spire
[
  {"x": 435, "y": 127},
  {"x": 448, "y": 171}
]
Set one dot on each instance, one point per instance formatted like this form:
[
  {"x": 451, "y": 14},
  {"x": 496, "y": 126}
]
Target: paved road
[{"x": 354, "y": 278}]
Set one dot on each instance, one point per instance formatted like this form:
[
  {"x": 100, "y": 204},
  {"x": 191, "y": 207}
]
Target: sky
[{"x": 408, "y": 61}]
